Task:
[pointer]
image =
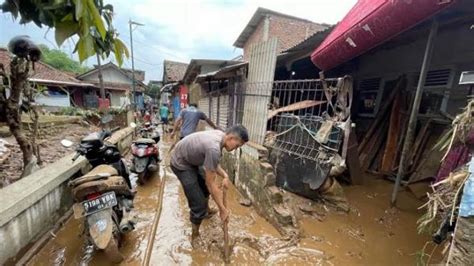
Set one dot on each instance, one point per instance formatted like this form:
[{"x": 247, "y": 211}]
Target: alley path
[
  {"x": 253, "y": 239},
  {"x": 370, "y": 233}
]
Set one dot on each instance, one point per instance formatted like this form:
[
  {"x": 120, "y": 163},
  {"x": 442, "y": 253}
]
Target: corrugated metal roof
[
  {"x": 370, "y": 23},
  {"x": 220, "y": 72}
]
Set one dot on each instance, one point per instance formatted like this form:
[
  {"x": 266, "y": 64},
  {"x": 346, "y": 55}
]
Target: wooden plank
[
  {"x": 418, "y": 142},
  {"x": 374, "y": 146},
  {"x": 428, "y": 167},
  {"x": 401, "y": 139},
  {"x": 294, "y": 107},
  {"x": 419, "y": 189},
  {"x": 422, "y": 150},
  {"x": 352, "y": 160},
  {"x": 377, "y": 162},
  {"x": 392, "y": 138},
  {"x": 382, "y": 113}
]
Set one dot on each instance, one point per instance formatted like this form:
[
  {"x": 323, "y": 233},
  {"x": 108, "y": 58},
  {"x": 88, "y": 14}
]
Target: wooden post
[{"x": 416, "y": 106}]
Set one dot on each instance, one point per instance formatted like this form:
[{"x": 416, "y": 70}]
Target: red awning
[{"x": 370, "y": 23}]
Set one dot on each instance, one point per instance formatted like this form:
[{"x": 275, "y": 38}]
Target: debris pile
[
  {"x": 380, "y": 149},
  {"x": 450, "y": 207}
]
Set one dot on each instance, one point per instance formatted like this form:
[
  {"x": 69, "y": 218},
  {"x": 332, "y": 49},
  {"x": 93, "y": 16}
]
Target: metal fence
[{"x": 295, "y": 116}]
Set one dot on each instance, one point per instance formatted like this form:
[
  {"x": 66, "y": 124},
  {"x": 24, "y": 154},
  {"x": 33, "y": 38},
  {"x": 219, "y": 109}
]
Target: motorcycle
[
  {"x": 146, "y": 156},
  {"x": 103, "y": 196}
]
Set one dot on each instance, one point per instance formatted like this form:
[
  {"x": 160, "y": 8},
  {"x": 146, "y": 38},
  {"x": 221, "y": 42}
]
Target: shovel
[{"x": 226, "y": 231}]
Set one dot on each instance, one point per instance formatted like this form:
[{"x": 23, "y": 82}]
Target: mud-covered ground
[
  {"x": 50, "y": 149},
  {"x": 372, "y": 233}
]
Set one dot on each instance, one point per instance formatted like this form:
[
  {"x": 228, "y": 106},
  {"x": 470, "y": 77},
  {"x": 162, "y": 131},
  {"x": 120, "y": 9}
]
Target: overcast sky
[{"x": 184, "y": 29}]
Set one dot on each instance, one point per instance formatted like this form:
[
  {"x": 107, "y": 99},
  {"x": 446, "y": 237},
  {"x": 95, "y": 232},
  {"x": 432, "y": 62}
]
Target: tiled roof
[
  {"x": 42, "y": 72},
  {"x": 173, "y": 71}
]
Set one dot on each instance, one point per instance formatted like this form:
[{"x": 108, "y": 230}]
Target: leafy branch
[{"x": 89, "y": 20}]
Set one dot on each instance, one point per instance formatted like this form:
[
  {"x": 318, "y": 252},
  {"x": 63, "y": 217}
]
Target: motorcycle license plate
[{"x": 104, "y": 201}]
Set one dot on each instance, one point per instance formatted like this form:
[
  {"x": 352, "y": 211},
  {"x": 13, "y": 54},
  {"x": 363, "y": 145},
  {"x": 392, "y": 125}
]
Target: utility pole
[
  {"x": 101, "y": 80},
  {"x": 134, "y": 98}
]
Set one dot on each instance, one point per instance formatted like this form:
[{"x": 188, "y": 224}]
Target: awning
[
  {"x": 221, "y": 73},
  {"x": 370, "y": 23}
]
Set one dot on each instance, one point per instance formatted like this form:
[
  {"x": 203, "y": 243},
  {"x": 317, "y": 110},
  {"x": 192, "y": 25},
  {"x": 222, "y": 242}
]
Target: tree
[
  {"x": 60, "y": 60},
  {"x": 153, "y": 90},
  {"x": 81, "y": 18}
]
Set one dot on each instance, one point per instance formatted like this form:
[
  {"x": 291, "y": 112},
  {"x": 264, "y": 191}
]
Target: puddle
[{"x": 371, "y": 234}]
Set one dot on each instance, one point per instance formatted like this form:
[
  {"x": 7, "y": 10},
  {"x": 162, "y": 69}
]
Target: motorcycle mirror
[
  {"x": 106, "y": 119},
  {"x": 133, "y": 125},
  {"x": 67, "y": 143}
]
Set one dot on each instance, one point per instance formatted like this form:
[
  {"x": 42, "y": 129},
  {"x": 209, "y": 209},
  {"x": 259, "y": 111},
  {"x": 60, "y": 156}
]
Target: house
[
  {"x": 200, "y": 88},
  {"x": 173, "y": 71},
  {"x": 174, "y": 93},
  {"x": 59, "y": 85},
  {"x": 265, "y": 23},
  {"x": 118, "y": 84},
  {"x": 378, "y": 57}
]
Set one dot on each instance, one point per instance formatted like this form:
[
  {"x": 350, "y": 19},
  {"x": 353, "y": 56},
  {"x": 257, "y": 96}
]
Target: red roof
[
  {"x": 43, "y": 73},
  {"x": 370, "y": 23}
]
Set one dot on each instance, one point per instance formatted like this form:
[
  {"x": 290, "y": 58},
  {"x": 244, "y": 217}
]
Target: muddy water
[
  {"x": 67, "y": 248},
  {"x": 371, "y": 234}
]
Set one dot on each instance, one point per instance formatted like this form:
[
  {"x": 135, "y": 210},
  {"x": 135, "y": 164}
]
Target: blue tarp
[
  {"x": 176, "y": 107},
  {"x": 466, "y": 208}
]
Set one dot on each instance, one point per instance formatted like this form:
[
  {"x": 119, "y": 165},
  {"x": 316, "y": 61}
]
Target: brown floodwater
[{"x": 371, "y": 234}]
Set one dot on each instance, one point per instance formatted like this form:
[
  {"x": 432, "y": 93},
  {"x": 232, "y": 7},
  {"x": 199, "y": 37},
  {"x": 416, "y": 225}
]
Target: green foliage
[
  {"x": 153, "y": 91},
  {"x": 74, "y": 111},
  {"x": 91, "y": 113},
  {"x": 84, "y": 18},
  {"x": 60, "y": 60}
]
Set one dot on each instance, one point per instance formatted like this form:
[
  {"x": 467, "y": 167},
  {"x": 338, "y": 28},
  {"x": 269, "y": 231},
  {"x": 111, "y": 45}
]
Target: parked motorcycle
[
  {"x": 103, "y": 196},
  {"x": 146, "y": 155}
]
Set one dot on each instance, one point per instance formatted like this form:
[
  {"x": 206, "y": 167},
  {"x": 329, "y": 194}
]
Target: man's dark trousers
[{"x": 195, "y": 189}]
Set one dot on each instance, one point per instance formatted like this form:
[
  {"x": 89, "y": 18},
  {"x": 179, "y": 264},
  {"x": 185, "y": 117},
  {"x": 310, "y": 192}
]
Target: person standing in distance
[
  {"x": 188, "y": 121},
  {"x": 196, "y": 162},
  {"x": 164, "y": 114}
]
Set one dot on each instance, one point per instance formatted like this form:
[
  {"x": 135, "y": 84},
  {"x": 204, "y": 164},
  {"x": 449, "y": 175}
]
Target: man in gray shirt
[
  {"x": 203, "y": 150},
  {"x": 188, "y": 120}
]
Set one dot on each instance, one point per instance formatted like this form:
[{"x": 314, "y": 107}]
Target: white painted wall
[
  {"x": 115, "y": 98},
  {"x": 109, "y": 75},
  {"x": 56, "y": 101}
]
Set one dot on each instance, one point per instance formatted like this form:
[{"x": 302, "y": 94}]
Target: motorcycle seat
[
  {"x": 100, "y": 172},
  {"x": 144, "y": 141}
]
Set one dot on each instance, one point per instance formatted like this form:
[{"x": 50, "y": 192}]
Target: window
[{"x": 369, "y": 96}]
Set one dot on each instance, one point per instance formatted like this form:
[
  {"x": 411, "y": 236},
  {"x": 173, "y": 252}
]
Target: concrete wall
[
  {"x": 31, "y": 206},
  {"x": 255, "y": 179}
]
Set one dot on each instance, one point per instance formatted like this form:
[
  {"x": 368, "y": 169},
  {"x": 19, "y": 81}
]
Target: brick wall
[{"x": 288, "y": 31}]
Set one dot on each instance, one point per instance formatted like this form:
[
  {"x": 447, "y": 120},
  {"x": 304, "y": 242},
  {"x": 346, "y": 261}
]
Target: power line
[
  {"x": 148, "y": 45},
  {"x": 146, "y": 62}
]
